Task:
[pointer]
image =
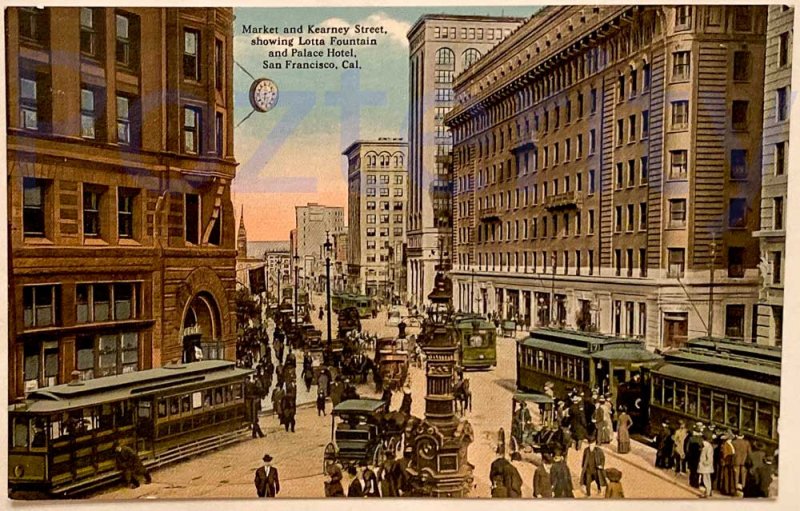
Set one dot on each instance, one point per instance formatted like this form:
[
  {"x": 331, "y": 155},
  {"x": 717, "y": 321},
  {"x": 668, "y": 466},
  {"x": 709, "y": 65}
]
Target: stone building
[
  {"x": 774, "y": 172},
  {"x": 607, "y": 171},
  {"x": 120, "y": 158},
  {"x": 440, "y": 46},
  {"x": 312, "y": 222},
  {"x": 376, "y": 207}
]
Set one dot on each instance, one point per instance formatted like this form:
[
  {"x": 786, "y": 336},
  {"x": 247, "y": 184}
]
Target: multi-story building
[
  {"x": 376, "y": 206},
  {"x": 250, "y": 266},
  {"x": 774, "y": 171},
  {"x": 339, "y": 260},
  {"x": 607, "y": 171},
  {"x": 440, "y": 47},
  {"x": 120, "y": 158},
  {"x": 313, "y": 221}
]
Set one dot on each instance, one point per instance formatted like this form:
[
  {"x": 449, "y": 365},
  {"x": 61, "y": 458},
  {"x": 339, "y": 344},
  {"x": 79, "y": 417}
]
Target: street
[{"x": 298, "y": 456}]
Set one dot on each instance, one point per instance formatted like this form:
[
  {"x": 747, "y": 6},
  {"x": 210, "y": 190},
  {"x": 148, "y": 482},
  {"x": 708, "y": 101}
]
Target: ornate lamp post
[
  {"x": 296, "y": 283},
  {"x": 328, "y": 246},
  {"x": 441, "y": 440}
]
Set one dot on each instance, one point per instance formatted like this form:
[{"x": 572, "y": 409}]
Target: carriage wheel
[
  {"x": 378, "y": 456},
  {"x": 329, "y": 457}
]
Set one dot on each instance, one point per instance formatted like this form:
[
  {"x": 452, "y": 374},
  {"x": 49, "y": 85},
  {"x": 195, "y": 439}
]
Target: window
[
  {"x": 676, "y": 257},
  {"x": 678, "y": 164},
  {"x": 29, "y": 103},
  {"x": 643, "y": 262},
  {"x": 370, "y": 231},
  {"x": 590, "y": 226},
  {"x": 372, "y": 179},
  {"x": 123, "y": 120},
  {"x": 443, "y": 76},
  {"x": 33, "y": 207},
  {"x": 370, "y": 192},
  {"x": 619, "y": 178},
  {"x": 632, "y": 128},
  {"x": 645, "y": 124},
  {"x": 618, "y": 219},
  {"x": 191, "y": 54},
  {"x": 734, "y": 322},
  {"x": 92, "y": 198},
  {"x": 591, "y": 262},
  {"x": 738, "y": 164},
  {"x": 91, "y": 21},
  {"x": 591, "y": 180},
  {"x": 631, "y": 173},
  {"x": 371, "y": 219},
  {"x": 642, "y": 216},
  {"x": 34, "y": 25},
  {"x": 780, "y": 158},
  {"x": 739, "y": 114},
  {"x": 371, "y": 205},
  {"x": 191, "y": 130},
  {"x": 40, "y": 305},
  {"x": 592, "y": 141},
  {"x": 683, "y": 16},
  {"x": 630, "y": 218},
  {"x": 125, "y": 208},
  {"x": 776, "y": 260},
  {"x": 777, "y": 213},
  {"x": 634, "y": 83},
  {"x": 621, "y": 88},
  {"x": 783, "y": 49},
  {"x": 470, "y": 55},
  {"x": 646, "y": 76},
  {"x": 127, "y": 50},
  {"x": 741, "y": 66},
  {"x": 677, "y": 213},
  {"x": 617, "y": 262},
  {"x": 445, "y": 57},
  {"x": 735, "y": 262},
  {"x": 397, "y": 231},
  {"x": 106, "y": 302},
  {"x": 680, "y": 65},
  {"x": 643, "y": 170},
  {"x": 782, "y": 104},
  {"x": 89, "y": 113},
  {"x": 680, "y": 115},
  {"x": 737, "y": 213},
  {"x": 742, "y": 19},
  {"x": 219, "y": 63},
  {"x": 593, "y": 100},
  {"x": 108, "y": 354},
  {"x": 620, "y": 131},
  {"x": 578, "y": 146},
  {"x": 580, "y": 105},
  {"x": 192, "y": 218},
  {"x": 219, "y": 133}
]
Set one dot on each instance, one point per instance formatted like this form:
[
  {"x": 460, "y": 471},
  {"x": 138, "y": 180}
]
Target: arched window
[
  {"x": 445, "y": 57},
  {"x": 398, "y": 160},
  {"x": 384, "y": 160},
  {"x": 372, "y": 160},
  {"x": 470, "y": 56}
]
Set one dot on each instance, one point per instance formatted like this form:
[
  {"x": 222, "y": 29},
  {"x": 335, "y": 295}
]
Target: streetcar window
[
  {"x": 733, "y": 412},
  {"x": 658, "y": 389},
  {"x": 691, "y": 391},
  {"x": 39, "y": 433},
  {"x": 718, "y": 410},
  {"x": 228, "y": 393},
  {"x": 748, "y": 409},
  {"x": 217, "y": 396},
  {"x": 197, "y": 400},
  {"x": 186, "y": 405},
  {"x": 19, "y": 437},
  {"x": 764, "y": 423},
  {"x": 680, "y": 396},
  {"x": 207, "y": 397},
  {"x": 124, "y": 414},
  {"x": 237, "y": 391},
  {"x": 162, "y": 408},
  {"x": 105, "y": 417},
  {"x": 55, "y": 427},
  {"x": 669, "y": 393},
  {"x": 705, "y": 404},
  {"x": 174, "y": 407}
]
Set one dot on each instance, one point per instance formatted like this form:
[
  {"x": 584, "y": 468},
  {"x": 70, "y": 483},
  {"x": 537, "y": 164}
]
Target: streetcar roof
[
  {"x": 532, "y": 397},
  {"x": 702, "y": 378},
  {"x": 359, "y": 406},
  {"x": 556, "y": 347},
  {"x": 124, "y": 386},
  {"x": 468, "y": 323},
  {"x": 627, "y": 354},
  {"x": 769, "y": 368}
]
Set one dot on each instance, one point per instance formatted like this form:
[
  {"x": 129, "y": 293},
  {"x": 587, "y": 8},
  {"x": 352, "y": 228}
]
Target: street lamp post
[
  {"x": 328, "y": 246},
  {"x": 296, "y": 283}
]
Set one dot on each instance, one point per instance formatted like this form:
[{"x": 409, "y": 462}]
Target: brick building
[
  {"x": 607, "y": 171},
  {"x": 120, "y": 159}
]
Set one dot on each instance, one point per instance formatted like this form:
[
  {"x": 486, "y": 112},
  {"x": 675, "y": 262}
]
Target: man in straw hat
[{"x": 266, "y": 481}]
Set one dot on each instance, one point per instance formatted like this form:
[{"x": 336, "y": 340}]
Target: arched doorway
[{"x": 201, "y": 329}]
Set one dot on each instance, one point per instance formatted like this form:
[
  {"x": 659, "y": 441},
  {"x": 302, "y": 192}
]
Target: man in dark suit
[
  {"x": 592, "y": 467},
  {"x": 266, "y": 481},
  {"x": 358, "y": 487}
]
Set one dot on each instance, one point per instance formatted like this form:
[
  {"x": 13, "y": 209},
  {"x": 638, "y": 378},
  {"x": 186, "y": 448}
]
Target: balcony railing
[
  {"x": 564, "y": 200},
  {"x": 489, "y": 214}
]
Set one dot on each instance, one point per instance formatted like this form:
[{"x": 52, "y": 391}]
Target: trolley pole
[
  {"x": 711, "y": 285},
  {"x": 328, "y": 247}
]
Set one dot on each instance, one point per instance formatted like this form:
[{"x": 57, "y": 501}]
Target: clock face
[{"x": 263, "y": 94}]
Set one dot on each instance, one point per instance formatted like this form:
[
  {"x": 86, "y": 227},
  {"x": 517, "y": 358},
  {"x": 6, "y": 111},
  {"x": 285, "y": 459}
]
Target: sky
[{"x": 291, "y": 155}]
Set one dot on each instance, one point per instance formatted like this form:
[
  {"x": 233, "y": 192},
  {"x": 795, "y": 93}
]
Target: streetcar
[
  {"x": 731, "y": 384},
  {"x": 585, "y": 361},
  {"x": 477, "y": 340},
  {"x": 61, "y": 437},
  {"x": 391, "y": 357}
]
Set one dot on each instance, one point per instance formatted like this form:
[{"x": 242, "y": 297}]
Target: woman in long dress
[{"x": 624, "y": 422}]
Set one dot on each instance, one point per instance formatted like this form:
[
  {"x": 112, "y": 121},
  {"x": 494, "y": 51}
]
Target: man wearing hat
[
  {"x": 594, "y": 461},
  {"x": 742, "y": 449},
  {"x": 763, "y": 477},
  {"x": 577, "y": 421},
  {"x": 266, "y": 481},
  {"x": 130, "y": 466},
  {"x": 405, "y": 404},
  {"x": 560, "y": 476},
  {"x": 358, "y": 486},
  {"x": 694, "y": 446}
]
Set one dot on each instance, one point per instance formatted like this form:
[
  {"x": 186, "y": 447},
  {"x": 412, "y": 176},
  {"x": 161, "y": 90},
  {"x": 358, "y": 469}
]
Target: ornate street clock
[{"x": 263, "y": 94}]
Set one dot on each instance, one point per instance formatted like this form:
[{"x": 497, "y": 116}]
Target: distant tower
[{"x": 241, "y": 239}]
